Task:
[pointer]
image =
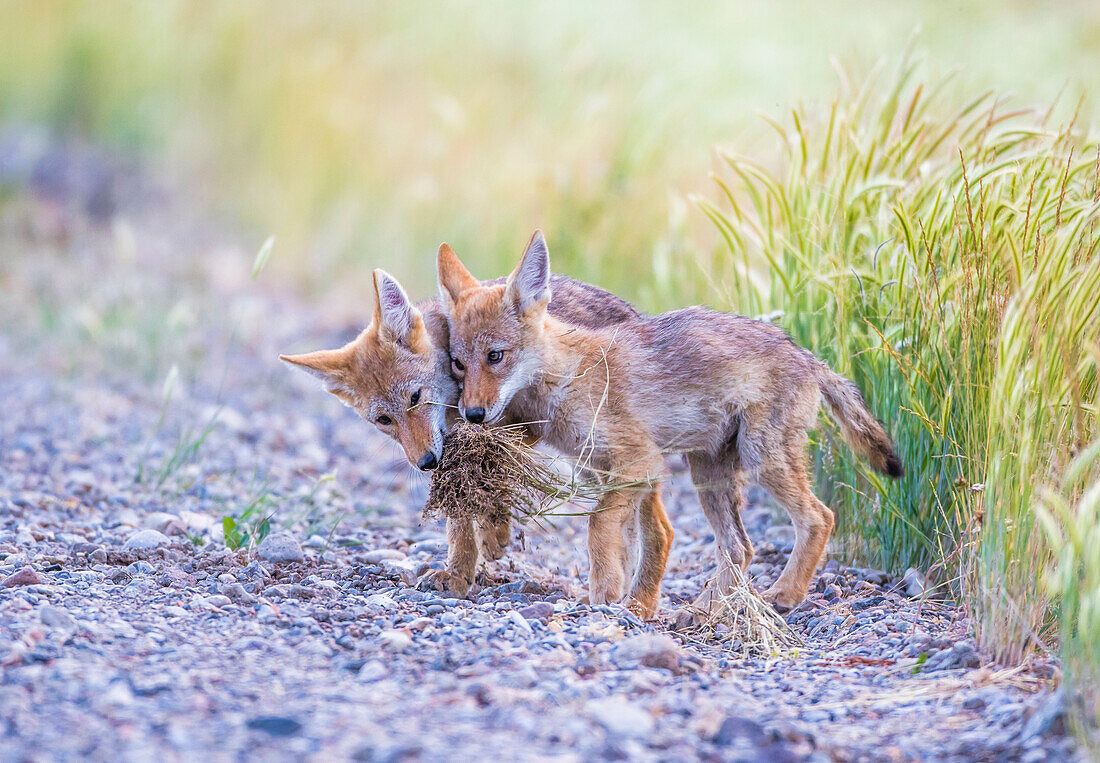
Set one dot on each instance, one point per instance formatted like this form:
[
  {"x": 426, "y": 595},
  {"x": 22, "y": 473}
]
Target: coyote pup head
[
  {"x": 391, "y": 374},
  {"x": 496, "y": 331}
]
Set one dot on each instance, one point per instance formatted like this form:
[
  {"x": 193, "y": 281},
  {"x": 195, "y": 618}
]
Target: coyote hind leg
[
  {"x": 719, "y": 481},
  {"x": 656, "y": 541},
  {"x": 787, "y": 479}
]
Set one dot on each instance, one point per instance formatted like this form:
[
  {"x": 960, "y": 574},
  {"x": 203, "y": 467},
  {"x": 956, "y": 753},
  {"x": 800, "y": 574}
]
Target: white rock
[
  {"x": 372, "y": 671},
  {"x": 195, "y": 521},
  {"x": 118, "y": 694},
  {"x": 144, "y": 539},
  {"x": 378, "y": 555},
  {"x": 280, "y": 547},
  {"x": 519, "y": 621},
  {"x": 621, "y": 717},
  {"x": 395, "y": 640},
  {"x": 380, "y": 601}
]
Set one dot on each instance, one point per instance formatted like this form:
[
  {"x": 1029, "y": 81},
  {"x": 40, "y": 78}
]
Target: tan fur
[
  {"x": 378, "y": 372},
  {"x": 734, "y": 395}
]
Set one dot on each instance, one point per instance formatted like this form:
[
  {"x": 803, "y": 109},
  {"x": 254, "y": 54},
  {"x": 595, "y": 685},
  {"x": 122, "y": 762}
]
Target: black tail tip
[{"x": 893, "y": 467}]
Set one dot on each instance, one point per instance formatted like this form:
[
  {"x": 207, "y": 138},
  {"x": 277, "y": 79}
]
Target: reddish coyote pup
[
  {"x": 397, "y": 374},
  {"x": 736, "y": 396}
]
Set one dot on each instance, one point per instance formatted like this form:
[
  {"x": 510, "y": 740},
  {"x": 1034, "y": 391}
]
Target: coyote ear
[
  {"x": 394, "y": 313},
  {"x": 454, "y": 278},
  {"x": 529, "y": 284},
  {"x": 327, "y": 365}
]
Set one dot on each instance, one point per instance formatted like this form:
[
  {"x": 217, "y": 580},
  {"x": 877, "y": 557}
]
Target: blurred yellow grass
[{"x": 361, "y": 135}]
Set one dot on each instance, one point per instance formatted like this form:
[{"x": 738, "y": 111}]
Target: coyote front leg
[
  {"x": 607, "y": 547},
  {"x": 494, "y": 537},
  {"x": 462, "y": 554},
  {"x": 787, "y": 480}
]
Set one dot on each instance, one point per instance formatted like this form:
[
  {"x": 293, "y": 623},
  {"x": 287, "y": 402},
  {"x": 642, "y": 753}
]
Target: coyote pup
[
  {"x": 736, "y": 396},
  {"x": 397, "y": 374}
]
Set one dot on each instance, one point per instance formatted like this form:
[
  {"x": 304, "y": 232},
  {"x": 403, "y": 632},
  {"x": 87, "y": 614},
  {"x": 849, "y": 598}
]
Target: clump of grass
[
  {"x": 1070, "y": 516},
  {"x": 745, "y": 622},
  {"x": 490, "y": 472},
  {"x": 948, "y": 260}
]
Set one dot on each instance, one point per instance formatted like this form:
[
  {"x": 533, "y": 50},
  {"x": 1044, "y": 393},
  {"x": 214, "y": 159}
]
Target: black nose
[
  {"x": 427, "y": 462},
  {"x": 475, "y": 415}
]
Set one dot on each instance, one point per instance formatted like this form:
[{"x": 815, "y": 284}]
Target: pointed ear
[
  {"x": 394, "y": 313},
  {"x": 529, "y": 285},
  {"x": 454, "y": 278},
  {"x": 326, "y": 365}
]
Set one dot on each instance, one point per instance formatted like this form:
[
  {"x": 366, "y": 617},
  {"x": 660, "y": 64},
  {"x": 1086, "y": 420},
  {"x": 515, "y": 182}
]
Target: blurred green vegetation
[
  {"x": 946, "y": 257},
  {"x": 363, "y": 134}
]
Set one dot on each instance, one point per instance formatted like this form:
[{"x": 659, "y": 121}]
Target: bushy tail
[{"x": 863, "y": 432}]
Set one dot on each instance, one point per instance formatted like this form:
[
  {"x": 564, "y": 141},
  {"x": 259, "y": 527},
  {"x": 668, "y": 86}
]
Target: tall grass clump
[
  {"x": 1070, "y": 514},
  {"x": 946, "y": 259}
]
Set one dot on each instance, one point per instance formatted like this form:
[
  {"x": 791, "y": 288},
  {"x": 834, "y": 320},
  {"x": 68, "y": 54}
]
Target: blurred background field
[
  {"x": 363, "y": 134},
  {"x": 903, "y": 221}
]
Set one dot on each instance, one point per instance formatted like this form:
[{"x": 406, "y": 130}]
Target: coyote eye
[
  {"x": 384, "y": 420},
  {"x": 494, "y": 357},
  {"x": 415, "y": 398},
  {"x": 458, "y": 365}
]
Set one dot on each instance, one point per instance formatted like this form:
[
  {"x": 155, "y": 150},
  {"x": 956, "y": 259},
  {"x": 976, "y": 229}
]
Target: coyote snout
[{"x": 474, "y": 415}]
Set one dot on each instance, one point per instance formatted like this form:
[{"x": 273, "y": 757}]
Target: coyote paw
[
  {"x": 783, "y": 600},
  {"x": 644, "y": 611},
  {"x": 492, "y": 549},
  {"x": 446, "y": 581}
]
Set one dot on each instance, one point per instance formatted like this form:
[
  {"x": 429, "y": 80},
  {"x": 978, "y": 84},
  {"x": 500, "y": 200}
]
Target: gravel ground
[{"x": 128, "y": 630}]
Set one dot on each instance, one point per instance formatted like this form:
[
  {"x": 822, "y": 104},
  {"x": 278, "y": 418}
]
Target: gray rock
[
  {"x": 25, "y": 576},
  {"x": 276, "y": 726},
  {"x": 56, "y": 617},
  {"x": 621, "y": 717},
  {"x": 146, "y": 539},
  {"x": 650, "y": 650},
  {"x": 235, "y": 592},
  {"x": 281, "y": 548},
  {"x": 738, "y": 730},
  {"x": 914, "y": 583},
  {"x": 1049, "y": 718},
  {"x": 404, "y": 570},
  {"x": 962, "y": 655},
  {"x": 540, "y": 610}
]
